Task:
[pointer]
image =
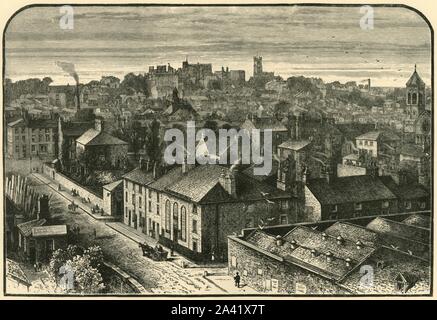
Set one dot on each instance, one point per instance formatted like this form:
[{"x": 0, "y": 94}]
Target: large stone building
[
  {"x": 347, "y": 197},
  {"x": 334, "y": 257},
  {"x": 30, "y": 137},
  {"x": 194, "y": 208}
]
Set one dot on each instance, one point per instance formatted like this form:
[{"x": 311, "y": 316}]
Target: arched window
[
  {"x": 175, "y": 221},
  {"x": 414, "y": 98},
  {"x": 409, "y": 98},
  {"x": 167, "y": 216},
  {"x": 183, "y": 223}
]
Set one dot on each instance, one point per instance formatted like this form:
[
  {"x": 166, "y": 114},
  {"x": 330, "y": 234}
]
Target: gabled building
[
  {"x": 194, "y": 208},
  {"x": 102, "y": 145},
  {"x": 348, "y": 197},
  {"x": 378, "y": 143}
]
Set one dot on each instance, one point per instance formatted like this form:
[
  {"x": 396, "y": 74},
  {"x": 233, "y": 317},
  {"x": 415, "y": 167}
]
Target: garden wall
[{"x": 68, "y": 184}]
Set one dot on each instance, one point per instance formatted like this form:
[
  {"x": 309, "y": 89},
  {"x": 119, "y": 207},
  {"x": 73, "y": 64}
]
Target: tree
[
  {"x": 211, "y": 124},
  {"x": 88, "y": 279},
  {"x": 153, "y": 142},
  {"x": 95, "y": 256},
  {"x": 135, "y": 83}
]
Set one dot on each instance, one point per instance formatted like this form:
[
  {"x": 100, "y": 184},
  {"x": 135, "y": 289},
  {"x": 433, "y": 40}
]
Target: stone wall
[
  {"x": 264, "y": 273},
  {"x": 68, "y": 184}
]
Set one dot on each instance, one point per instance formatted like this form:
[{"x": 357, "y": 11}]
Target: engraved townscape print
[{"x": 214, "y": 150}]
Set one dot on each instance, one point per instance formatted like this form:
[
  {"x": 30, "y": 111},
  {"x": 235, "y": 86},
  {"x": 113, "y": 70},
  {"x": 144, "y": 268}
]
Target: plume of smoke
[{"x": 69, "y": 68}]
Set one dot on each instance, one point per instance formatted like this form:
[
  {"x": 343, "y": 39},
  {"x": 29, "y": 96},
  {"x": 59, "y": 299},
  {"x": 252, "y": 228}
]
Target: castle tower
[
  {"x": 415, "y": 95},
  {"x": 257, "y": 65}
]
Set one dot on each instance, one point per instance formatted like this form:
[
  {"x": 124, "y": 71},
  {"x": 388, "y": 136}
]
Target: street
[{"x": 156, "y": 277}]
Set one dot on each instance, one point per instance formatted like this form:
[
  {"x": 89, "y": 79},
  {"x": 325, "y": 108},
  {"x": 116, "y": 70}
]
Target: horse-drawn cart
[{"x": 156, "y": 253}]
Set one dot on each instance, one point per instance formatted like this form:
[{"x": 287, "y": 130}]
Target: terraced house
[{"x": 194, "y": 208}]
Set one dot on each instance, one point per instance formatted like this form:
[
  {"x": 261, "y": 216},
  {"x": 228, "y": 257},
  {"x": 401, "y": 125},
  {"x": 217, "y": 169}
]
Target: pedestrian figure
[
  {"x": 35, "y": 266},
  {"x": 237, "y": 280}
]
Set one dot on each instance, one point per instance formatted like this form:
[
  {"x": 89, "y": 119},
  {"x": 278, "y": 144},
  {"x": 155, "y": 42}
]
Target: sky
[{"x": 325, "y": 42}]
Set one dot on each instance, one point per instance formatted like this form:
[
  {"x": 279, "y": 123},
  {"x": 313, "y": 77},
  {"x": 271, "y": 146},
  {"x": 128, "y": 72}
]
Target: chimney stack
[
  {"x": 279, "y": 241},
  {"x": 98, "y": 124},
  {"x": 43, "y": 207},
  {"x": 227, "y": 180}
]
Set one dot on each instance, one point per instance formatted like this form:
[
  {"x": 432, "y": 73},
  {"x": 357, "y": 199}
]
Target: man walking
[{"x": 237, "y": 280}]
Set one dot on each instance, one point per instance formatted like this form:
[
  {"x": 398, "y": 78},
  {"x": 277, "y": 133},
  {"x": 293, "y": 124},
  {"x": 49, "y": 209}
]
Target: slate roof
[
  {"x": 93, "y": 137},
  {"x": 415, "y": 80},
  {"x": 375, "y": 135},
  {"x": 17, "y": 123},
  {"x": 349, "y": 189},
  {"x": 14, "y": 270},
  {"x": 87, "y": 136},
  {"x": 354, "y": 233},
  {"x": 412, "y": 150},
  {"x": 311, "y": 250},
  {"x": 111, "y": 186},
  {"x": 199, "y": 181},
  {"x": 405, "y": 191},
  {"x": 294, "y": 144},
  {"x": 26, "y": 227},
  {"x": 399, "y": 229},
  {"x": 106, "y": 139},
  {"x": 418, "y": 220},
  {"x": 139, "y": 176}
]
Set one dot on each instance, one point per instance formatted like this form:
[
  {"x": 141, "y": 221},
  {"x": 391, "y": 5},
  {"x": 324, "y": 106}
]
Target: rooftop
[{"x": 349, "y": 189}]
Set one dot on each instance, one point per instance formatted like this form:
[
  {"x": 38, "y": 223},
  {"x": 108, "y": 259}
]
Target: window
[
  {"x": 33, "y": 138},
  {"x": 133, "y": 199},
  {"x": 194, "y": 208},
  {"x": 194, "y": 226},
  {"x": 233, "y": 261},
  {"x": 150, "y": 206},
  {"x": 47, "y": 137},
  {"x": 167, "y": 216},
  {"x": 140, "y": 200},
  {"x": 150, "y": 193},
  {"x": 385, "y": 204},
  {"x": 125, "y": 212},
  {"x": 422, "y": 205},
  {"x": 284, "y": 219},
  {"x": 194, "y": 245},
  {"x": 334, "y": 208},
  {"x": 407, "y": 204},
  {"x": 157, "y": 210},
  {"x": 33, "y": 148},
  {"x": 127, "y": 197},
  {"x": 183, "y": 223},
  {"x": 358, "y": 206},
  {"x": 284, "y": 204},
  {"x": 157, "y": 197},
  {"x": 371, "y": 143},
  {"x": 360, "y": 142}
]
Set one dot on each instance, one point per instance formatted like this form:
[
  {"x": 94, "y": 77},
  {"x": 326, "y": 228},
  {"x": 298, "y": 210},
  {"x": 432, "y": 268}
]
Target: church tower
[
  {"x": 415, "y": 95},
  {"x": 257, "y": 66}
]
